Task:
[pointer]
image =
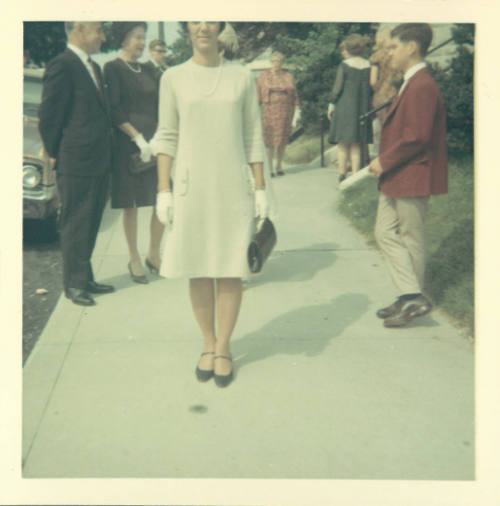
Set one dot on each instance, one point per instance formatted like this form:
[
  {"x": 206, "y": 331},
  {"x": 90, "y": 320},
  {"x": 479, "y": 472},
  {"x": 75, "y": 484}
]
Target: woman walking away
[{"x": 350, "y": 99}]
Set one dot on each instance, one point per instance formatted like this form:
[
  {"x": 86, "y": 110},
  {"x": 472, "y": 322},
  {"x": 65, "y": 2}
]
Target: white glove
[
  {"x": 296, "y": 117},
  {"x": 331, "y": 108},
  {"x": 146, "y": 150},
  {"x": 261, "y": 204},
  {"x": 165, "y": 208}
]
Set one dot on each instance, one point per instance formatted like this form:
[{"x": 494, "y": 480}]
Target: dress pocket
[{"x": 182, "y": 181}]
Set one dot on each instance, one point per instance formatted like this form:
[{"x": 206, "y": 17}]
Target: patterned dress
[
  {"x": 384, "y": 88},
  {"x": 278, "y": 98}
]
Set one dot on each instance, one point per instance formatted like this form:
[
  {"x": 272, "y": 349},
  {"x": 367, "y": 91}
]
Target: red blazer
[{"x": 413, "y": 142}]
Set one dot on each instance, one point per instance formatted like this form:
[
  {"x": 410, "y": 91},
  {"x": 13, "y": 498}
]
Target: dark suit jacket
[
  {"x": 155, "y": 71},
  {"x": 413, "y": 142},
  {"x": 74, "y": 118}
]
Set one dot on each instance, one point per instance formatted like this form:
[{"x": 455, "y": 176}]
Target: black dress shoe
[
  {"x": 419, "y": 306},
  {"x": 391, "y": 310},
  {"x": 223, "y": 380},
  {"x": 80, "y": 297},
  {"x": 204, "y": 374},
  {"x": 93, "y": 287},
  {"x": 142, "y": 279}
]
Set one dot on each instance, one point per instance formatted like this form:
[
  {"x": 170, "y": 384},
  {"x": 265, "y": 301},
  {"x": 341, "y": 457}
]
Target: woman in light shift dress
[{"x": 209, "y": 121}]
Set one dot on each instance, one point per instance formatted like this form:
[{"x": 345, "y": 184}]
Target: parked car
[{"x": 40, "y": 198}]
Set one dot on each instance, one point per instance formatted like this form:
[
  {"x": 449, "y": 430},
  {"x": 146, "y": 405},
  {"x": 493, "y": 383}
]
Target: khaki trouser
[{"x": 400, "y": 233}]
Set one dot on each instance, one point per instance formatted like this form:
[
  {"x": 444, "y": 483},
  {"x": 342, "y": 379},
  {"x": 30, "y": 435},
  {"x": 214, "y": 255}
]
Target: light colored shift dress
[{"x": 209, "y": 121}]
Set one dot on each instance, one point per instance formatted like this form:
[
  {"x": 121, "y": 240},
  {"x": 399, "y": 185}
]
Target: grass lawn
[
  {"x": 450, "y": 237},
  {"x": 304, "y": 149}
]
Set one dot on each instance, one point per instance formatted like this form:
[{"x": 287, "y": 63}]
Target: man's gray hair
[{"x": 69, "y": 26}]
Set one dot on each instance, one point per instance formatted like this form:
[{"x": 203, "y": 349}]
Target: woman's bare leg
[
  {"x": 201, "y": 291},
  {"x": 229, "y": 295},
  {"x": 342, "y": 157},
  {"x": 130, "y": 229},
  {"x": 281, "y": 152},
  {"x": 355, "y": 154},
  {"x": 270, "y": 156},
  {"x": 156, "y": 233}
]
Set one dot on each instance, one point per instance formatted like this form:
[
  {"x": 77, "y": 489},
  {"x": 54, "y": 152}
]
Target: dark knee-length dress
[
  {"x": 133, "y": 94},
  {"x": 352, "y": 97}
]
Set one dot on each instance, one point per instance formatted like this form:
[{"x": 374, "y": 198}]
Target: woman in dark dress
[
  {"x": 133, "y": 95},
  {"x": 351, "y": 97}
]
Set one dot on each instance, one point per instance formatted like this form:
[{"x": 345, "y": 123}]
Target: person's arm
[
  {"x": 419, "y": 112},
  {"x": 373, "y": 75},
  {"x": 56, "y": 98},
  {"x": 338, "y": 85},
  {"x": 252, "y": 125}
]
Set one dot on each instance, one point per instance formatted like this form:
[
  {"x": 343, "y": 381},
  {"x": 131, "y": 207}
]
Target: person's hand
[
  {"x": 296, "y": 117},
  {"x": 146, "y": 149},
  {"x": 261, "y": 204},
  {"x": 329, "y": 113},
  {"x": 165, "y": 208},
  {"x": 375, "y": 168},
  {"x": 52, "y": 162}
]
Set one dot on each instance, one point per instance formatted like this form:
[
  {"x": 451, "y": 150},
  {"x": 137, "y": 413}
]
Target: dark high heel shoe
[
  {"x": 142, "y": 279},
  {"x": 223, "y": 380},
  {"x": 152, "y": 268},
  {"x": 204, "y": 374}
]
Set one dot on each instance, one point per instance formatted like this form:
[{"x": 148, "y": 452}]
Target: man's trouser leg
[
  {"x": 80, "y": 197},
  {"x": 400, "y": 233}
]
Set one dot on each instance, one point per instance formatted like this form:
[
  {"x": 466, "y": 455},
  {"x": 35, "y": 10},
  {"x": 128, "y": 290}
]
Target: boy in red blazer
[{"x": 411, "y": 166}]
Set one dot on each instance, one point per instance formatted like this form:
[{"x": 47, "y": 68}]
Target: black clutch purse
[
  {"x": 137, "y": 165},
  {"x": 261, "y": 245}
]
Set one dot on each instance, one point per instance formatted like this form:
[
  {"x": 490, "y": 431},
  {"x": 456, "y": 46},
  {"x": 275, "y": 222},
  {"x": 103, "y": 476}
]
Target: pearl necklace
[
  {"x": 132, "y": 68},
  {"x": 216, "y": 82}
]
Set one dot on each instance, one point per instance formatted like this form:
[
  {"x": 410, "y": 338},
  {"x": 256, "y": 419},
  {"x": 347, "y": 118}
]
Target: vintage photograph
[{"x": 248, "y": 250}]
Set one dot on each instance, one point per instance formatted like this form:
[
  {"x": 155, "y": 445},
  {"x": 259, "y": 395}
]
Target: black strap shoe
[
  {"x": 93, "y": 287},
  {"x": 80, "y": 297},
  {"x": 419, "y": 306}
]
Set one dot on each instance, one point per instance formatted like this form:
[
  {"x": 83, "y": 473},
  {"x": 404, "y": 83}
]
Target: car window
[{"x": 32, "y": 95}]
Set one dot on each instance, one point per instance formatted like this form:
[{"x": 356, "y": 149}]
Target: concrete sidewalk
[{"x": 322, "y": 389}]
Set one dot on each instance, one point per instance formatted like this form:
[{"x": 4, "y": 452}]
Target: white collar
[
  {"x": 79, "y": 52},
  {"x": 357, "y": 62},
  {"x": 414, "y": 69}
]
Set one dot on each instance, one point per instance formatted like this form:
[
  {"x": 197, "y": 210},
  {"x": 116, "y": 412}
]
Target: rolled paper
[{"x": 354, "y": 178}]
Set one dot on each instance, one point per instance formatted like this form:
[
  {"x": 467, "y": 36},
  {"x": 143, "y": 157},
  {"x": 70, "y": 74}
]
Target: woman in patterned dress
[{"x": 279, "y": 102}]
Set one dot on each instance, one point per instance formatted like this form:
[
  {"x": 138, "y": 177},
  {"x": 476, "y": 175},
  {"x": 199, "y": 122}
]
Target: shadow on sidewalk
[
  {"x": 295, "y": 265},
  {"x": 305, "y": 331}
]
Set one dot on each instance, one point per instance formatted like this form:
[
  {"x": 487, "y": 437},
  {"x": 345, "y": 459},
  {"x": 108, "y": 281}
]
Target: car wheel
[{"x": 51, "y": 226}]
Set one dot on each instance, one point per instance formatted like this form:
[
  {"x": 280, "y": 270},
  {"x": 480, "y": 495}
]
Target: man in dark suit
[
  {"x": 76, "y": 132},
  {"x": 157, "y": 64},
  {"x": 412, "y": 165}
]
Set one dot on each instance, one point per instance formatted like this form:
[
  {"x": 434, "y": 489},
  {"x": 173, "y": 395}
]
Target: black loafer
[
  {"x": 223, "y": 380},
  {"x": 80, "y": 297},
  {"x": 391, "y": 310},
  {"x": 93, "y": 287},
  {"x": 419, "y": 306}
]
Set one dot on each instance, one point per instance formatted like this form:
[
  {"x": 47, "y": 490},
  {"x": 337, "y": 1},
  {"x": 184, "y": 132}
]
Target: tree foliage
[
  {"x": 456, "y": 83},
  {"x": 46, "y": 39}
]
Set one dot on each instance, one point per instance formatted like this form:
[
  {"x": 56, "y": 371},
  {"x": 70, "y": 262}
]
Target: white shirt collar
[
  {"x": 80, "y": 53},
  {"x": 414, "y": 69}
]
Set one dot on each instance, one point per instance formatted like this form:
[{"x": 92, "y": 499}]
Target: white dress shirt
[
  {"x": 85, "y": 60},
  {"x": 410, "y": 73}
]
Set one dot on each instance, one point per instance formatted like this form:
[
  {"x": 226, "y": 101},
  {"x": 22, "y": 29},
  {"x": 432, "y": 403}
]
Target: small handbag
[
  {"x": 137, "y": 165},
  {"x": 261, "y": 245}
]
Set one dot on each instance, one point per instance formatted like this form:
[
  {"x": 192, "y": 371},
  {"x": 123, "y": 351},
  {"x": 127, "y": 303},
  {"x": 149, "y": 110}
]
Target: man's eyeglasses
[{"x": 159, "y": 51}]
